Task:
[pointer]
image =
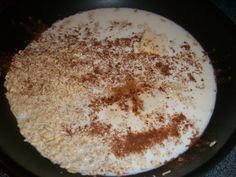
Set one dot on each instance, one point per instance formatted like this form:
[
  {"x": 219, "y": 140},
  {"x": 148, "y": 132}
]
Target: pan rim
[{"x": 215, "y": 156}]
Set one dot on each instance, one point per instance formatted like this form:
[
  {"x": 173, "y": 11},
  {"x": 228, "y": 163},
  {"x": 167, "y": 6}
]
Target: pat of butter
[{"x": 153, "y": 43}]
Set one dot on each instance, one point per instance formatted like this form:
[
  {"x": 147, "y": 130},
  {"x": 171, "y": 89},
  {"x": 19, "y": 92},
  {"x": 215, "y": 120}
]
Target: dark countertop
[{"x": 227, "y": 166}]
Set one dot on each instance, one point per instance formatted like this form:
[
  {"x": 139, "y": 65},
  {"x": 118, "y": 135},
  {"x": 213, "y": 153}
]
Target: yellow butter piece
[{"x": 153, "y": 43}]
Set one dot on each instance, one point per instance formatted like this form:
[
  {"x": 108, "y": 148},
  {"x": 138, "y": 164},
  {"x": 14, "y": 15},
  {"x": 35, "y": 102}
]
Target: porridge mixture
[{"x": 112, "y": 91}]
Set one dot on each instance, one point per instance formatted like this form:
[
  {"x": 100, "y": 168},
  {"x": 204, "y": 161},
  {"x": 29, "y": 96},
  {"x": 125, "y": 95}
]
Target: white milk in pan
[{"x": 112, "y": 91}]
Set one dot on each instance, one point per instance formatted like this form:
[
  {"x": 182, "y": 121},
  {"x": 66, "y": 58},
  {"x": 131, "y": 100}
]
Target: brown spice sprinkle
[
  {"x": 119, "y": 24},
  {"x": 130, "y": 90},
  {"x": 162, "y": 89},
  {"x": 97, "y": 128},
  {"x": 106, "y": 52},
  {"x": 139, "y": 142},
  {"x": 191, "y": 77},
  {"x": 164, "y": 69},
  {"x": 185, "y": 46},
  {"x": 193, "y": 139},
  {"x": 69, "y": 130}
]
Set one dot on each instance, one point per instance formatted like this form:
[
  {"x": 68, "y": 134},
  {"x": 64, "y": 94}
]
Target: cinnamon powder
[
  {"x": 139, "y": 142},
  {"x": 120, "y": 95},
  {"x": 164, "y": 69},
  {"x": 97, "y": 128}
]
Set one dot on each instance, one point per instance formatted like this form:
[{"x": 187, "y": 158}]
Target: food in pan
[{"x": 112, "y": 91}]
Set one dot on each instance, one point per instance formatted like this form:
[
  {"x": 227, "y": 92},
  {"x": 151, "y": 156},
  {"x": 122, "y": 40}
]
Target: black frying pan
[{"x": 21, "y": 21}]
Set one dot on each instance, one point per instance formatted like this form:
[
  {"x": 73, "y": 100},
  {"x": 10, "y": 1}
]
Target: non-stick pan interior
[{"x": 24, "y": 20}]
